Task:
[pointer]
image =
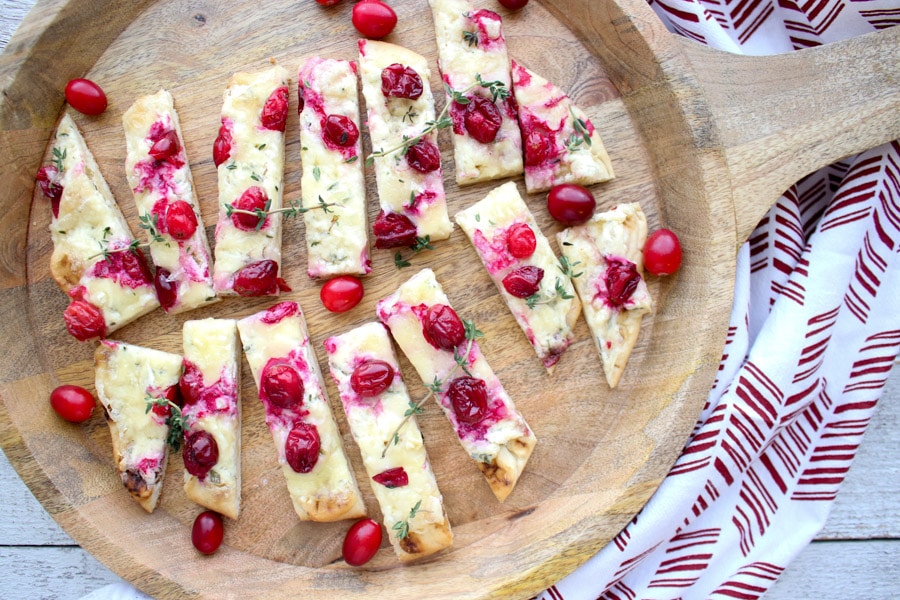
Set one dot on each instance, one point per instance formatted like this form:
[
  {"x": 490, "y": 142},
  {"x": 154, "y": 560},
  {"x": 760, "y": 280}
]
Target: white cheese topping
[
  {"x": 401, "y": 188},
  {"x": 279, "y": 336},
  {"x": 336, "y": 239},
  {"x": 554, "y": 308},
  {"x": 158, "y": 184}
]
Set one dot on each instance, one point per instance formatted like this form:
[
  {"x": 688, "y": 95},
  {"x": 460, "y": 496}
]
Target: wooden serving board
[{"x": 684, "y": 143}]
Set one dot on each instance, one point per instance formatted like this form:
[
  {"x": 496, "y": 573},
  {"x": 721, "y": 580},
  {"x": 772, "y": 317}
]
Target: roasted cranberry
[
  {"x": 301, "y": 449},
  {"x": 538, "y": 145},
  {"x": 442, "y": 327},
  {"x": 171, "y": 394},
  {"x": 201, "y": 453},
  {"x": 274, "y": 113},
  {"x": 207, "y": 532},
  {"x": 179, "y": 220},
  {"x": 570, "y": 204},
  {"x": 191, "y": 383},
  {"x": 482, "y": 119},
  {"x": 166, "y": 146},
  {"x": 259, "y": 279},
  {"x": 520, "y": 240},
  {"x": 84, "y": 320},
  {"x": 400, "y": 81},
  {"x": 371, "y": 378},
  {"x": 253, "y": 199},
  {"x": 392, "y": 478},
  {"x": 524, "y": 281},
  {"x": 222, "y": 145},
  {"x": 166, "y": 290},
  {"x": 621, "y": 280},
  {"x": 48, "y": 179},
  {"x": 468, "y": 396},
  {"x": 393, "y": 230},
  {"x": 424, "y": 156},
  {"x": 340, "y": 130},
  {"x": 662, "y": 252},
  {"x": 73, "y": 403},
  {"x": 282, "y": 310},
  {"x": 282, "y": 385}
]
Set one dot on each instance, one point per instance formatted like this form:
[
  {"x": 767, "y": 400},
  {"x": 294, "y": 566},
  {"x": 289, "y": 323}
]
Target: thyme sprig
[
  {"x": 58, "y": 157},
  {"x": 559, "y": 292},
  {"x": 150, "y": 224},
  {"x": 497, "y": 89},
  {"x": 294, "y": 209},
  {"x": 437, "y": 386},
  {"x": 401, "y": 528},
  {"x": 421, "y": 243},
  {"x": 175, "y": 420},
  {"x": 470, "y": 37},
  {"x": 581, "y": 129},
  {"x": 106, "y": 251}
]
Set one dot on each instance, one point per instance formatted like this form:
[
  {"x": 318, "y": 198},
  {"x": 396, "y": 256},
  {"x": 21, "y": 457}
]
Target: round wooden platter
[{"x": 680, "y": 146}]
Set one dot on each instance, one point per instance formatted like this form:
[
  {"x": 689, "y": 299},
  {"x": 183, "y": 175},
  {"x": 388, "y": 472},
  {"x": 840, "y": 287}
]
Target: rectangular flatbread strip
[
  {"x": 127, "y": 378},
  {"x": 287, "y": 375},
  {"x": 398, "y": 467},
  {"x": 410, "y": 183},
  {"x": 94, "y": 258},
  {"x": 249, "y": 155},
  {"x": 331, "y": 154},
  {"x": 494, "y": 434},
  {"x": 471, "y": 45},
  {"x": 500, "y": 225},
  {"x": 159, "y": 175},
  {"x": 609, "y": 251},
  {"x": 212, "y": 409},
  {"x": 561, "y": 144}
]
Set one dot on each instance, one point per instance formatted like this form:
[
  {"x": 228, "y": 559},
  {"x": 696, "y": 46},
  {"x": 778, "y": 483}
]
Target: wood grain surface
[{"x": 600, "y": 453}]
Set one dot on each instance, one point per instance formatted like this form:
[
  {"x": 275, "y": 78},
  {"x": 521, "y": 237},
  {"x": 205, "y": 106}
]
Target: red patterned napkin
[{"x": 814, "y": 332}]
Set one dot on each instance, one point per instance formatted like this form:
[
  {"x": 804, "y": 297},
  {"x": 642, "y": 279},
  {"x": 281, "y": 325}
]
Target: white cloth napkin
[{"x": 814, "y": 332}]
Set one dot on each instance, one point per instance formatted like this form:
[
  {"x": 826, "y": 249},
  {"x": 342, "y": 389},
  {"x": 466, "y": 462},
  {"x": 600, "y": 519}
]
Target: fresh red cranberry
[
  {"x": 84, "y": 320},
  {"x": 166, "y": 146},
  {"x": 48, "y": 180},
  {"x": 301, "y": 449},
  {"x": 373, "y": 19},
  {"x": 222, "y": 145},
  {"x": 341, "y": 293},
  {"x": 424, "y": 156},
  {"x": 282, "y": 385},
  {"x": 85, "y": 96},
  {"x": 513, "y": 4},
  {"x": 371, "y": 378},
  {"x": 191, "y": 383},
  {"x": 340, "y": 130},
  {"x": 482, "y": 119},
  {"x": 520, "y": 240},
  {"x": 393, "y": 230},
  {"x": 361, "y": 542},
  {"x": 179, "y": 220},
  {"x": 201, "y": 453},
  {"x": 538, "y": 145},
  {"x": 253, "y": 199},
  {"x": 570, "y": 204},
  {"x": 524, "y": 281},
  {"x": 662, "y": 252},
  {"x": 327, "y": 2},
  {"x": 259, "y": 279},
  {"x": 207, "y": 532},
  {"x": 166, "y": 290},
  {"x": 274, "y": 113},
  {"x": 400, "y": 81},
  {"x": 468, "y": 395},
  {"x": 392, "y": 478},
  {"x": 73, "y": 403},
  {"x": 622, "y": 279},
  {"x": 442, "y": 327}
]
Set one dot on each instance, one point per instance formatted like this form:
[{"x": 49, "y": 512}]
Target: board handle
[{"x": 782, "y": 117}]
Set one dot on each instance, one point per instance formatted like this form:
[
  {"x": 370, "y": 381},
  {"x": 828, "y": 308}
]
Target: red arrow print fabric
[{"x": 814, "y": 332}]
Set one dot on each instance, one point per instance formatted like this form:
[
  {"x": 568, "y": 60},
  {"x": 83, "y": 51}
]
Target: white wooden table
[{"x": 856, "y": 555}]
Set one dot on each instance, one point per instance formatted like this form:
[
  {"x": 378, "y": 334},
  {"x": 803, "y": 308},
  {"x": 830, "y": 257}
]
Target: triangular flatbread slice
[
  {"x": 560, "y": 143},
  {"x": 607, "y": 251}
]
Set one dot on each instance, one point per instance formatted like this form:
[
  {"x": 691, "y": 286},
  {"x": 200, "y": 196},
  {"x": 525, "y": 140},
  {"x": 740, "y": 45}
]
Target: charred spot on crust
[
  {"x": 494, "y": 472},
  {"x": 410, "y": 544},
  {"x": 135, "y": 484}
]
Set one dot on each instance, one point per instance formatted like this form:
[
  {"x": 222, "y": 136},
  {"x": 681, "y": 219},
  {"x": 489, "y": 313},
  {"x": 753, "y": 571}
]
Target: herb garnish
[
  {"x": 401, "y": 528},
  {"x": 292, "y": 210},
  {"x": 175, "y": 420}
]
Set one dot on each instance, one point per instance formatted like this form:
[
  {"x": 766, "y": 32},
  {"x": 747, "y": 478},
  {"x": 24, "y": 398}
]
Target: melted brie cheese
[
  {"x": 373, "y": 422},
  {"x": 329, "y": 491},
  {"x": 548, "y": 323},
  {"x": 401, "y": 188},
  {"x": 336, "y": 239},
  {"x": 187, "y": 261},
  {"x": 397, "y": 312},
  {"x": 460, "y": 61},
  {"x": 89, "y": 222},
  {"x": 256, "y": 160},
  {"x": 618, "y": 233}
]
